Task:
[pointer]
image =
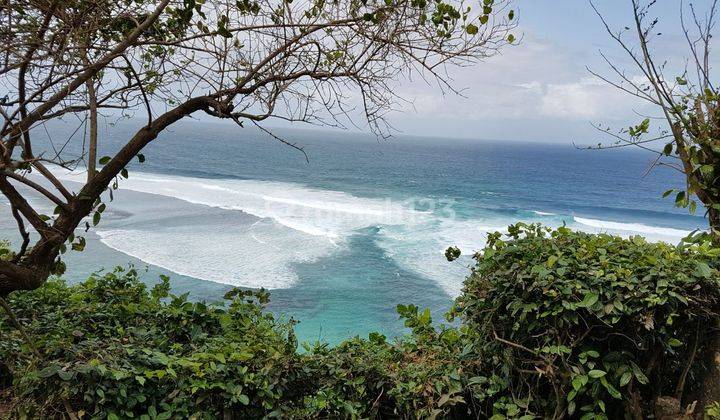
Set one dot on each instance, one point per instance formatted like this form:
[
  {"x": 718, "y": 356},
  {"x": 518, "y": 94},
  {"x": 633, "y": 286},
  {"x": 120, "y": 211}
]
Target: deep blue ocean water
[{"x": 343, "y": 239}]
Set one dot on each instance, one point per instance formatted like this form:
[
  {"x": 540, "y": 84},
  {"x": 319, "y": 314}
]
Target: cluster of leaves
[
  {"x": 594, "y": 326},
  {"x": 694, "y": 135},
  {"x": 698, "y": 119},
  {"x": 113, "y": 349},
  {"x": 701, "y": 154},
  {"x": 552, "y": 324},
  {"x": 5, "y": 252}
]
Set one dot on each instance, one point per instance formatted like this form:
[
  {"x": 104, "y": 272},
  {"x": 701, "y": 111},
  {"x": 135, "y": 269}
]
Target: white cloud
[
  {"x": 530, "y": 80},
  {"x": 587, "y": 98}
]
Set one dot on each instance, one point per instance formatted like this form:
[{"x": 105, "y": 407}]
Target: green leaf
[
  {"x": 707, "y": 171},
  {"x": 674, "y": 342},
  {"x": 141, "y": 158},
  {"x": 639, "y": 374},
  {"x": 471, "y": 29},
  {"x": 452, "y": 253},
  {"x": 551, "y": 261},
  {"x": 610, "y": 389},
  {"x": 65, "y": 375},
  {"x": 589, "y": 300},
  {"x": 49, "y": 371},
  {"x": 625, "y": 378},
  {"x": 571, "y": 395},
  {"x": 667, "y": 150},
  {"x": 680, "y": 199},
  {"x": 511, "y": 38},
  {"x": 104, "y": 160},
  {"x": 702, "y": 270},
  {"x": 243, "y": 399},
  {"x": 224, "y": 32},
  {"x": 596, "y": 373},
  {"x": 579, "y": 381},
  {"x": 96, "y": 218}
]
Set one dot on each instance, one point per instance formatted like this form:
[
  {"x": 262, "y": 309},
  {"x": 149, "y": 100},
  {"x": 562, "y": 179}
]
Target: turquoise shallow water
[{"x": 340, "y": 241}]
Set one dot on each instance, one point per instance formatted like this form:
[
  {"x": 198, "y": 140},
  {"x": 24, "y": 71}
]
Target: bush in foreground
[
  {"x": 587, "y": 325},
  {"x": 553, "y": 324},
  {"x": 112, "y": 349}
]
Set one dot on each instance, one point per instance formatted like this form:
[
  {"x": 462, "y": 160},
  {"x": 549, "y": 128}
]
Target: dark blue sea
[{"x": 342, "y": 239}]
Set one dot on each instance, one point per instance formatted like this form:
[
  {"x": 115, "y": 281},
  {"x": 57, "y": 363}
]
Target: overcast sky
[{"x": 540, "y": 90}]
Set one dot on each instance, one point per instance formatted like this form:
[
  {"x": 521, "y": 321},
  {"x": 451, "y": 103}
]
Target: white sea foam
[
  {"x": 651, "y": 232},
  {"x": 543, "y": 213},
  {"x": 260, "y": 255},
  {"x": 297, "y": 223},
  {"x": 332, "y": 214},
  {"x": 421, "y": 248}
]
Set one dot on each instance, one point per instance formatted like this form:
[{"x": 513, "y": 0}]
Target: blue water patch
[{"x": 355, "y": 292}]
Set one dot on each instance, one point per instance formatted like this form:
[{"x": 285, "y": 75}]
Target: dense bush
[
  {"x": 116, "y": 350},
  {"x": 552, "y": 324},
  {"x": 591, "y": 325},
  {"x": 110, "y": 348}
]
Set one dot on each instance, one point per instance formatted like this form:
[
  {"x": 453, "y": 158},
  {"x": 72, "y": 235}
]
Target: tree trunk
[
  {"x": 714, "y": 221},
  {"x": 708, "y": 390},
  {"x": 92, "y": 146},
  {"x": 36, "y": 266},
  {"x": 6, "y": 378}
]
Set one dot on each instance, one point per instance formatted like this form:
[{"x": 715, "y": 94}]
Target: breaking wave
[{"x": 291, "y": 223}]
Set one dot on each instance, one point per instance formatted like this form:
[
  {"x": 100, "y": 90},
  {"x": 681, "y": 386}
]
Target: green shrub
[
  {"x": 425, "y": 374},
  {"x": 591, "y": 325},
  {"x": 552, "y": 324},
  {"x": 712, "y": 411},
  {"x": 111, "y": 348},
  {"x": 5, "y": 252},
  {"x": 116, "y": 350}
]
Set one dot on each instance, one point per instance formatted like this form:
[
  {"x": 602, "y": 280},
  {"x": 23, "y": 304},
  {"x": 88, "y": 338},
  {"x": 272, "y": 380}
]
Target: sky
[{"x": 540, "y": 89}]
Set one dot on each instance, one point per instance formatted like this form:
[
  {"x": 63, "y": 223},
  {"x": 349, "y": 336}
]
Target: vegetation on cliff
[{"x": 553, "y": 324}]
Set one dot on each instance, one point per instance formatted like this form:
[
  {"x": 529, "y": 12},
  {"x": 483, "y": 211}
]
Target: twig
[
  {"x": 23, "y": 232},
  {"x": 516, "y": 345}
]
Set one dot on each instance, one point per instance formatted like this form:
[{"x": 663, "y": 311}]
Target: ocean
[{"x": 342, "y": 239}]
